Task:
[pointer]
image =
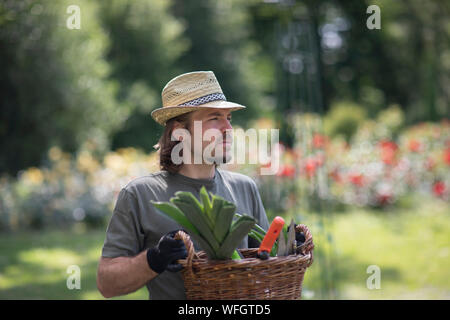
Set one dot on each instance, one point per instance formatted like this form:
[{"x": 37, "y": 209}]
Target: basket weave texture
[{"x": 278, "y": 278}]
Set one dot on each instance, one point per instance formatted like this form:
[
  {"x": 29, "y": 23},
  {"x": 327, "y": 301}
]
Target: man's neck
[{"x": 198, "y": 171}]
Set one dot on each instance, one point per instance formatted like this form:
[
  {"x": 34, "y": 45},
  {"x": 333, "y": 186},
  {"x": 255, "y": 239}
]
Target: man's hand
[
  {"x": 299, "y": 236},
  {"x": 166, "y": 253}
]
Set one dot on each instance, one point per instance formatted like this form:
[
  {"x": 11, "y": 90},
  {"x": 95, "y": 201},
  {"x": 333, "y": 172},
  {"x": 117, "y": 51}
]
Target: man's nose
[
  {"x": 226, "y": 131},
  {"x": 227, "y": 125}
]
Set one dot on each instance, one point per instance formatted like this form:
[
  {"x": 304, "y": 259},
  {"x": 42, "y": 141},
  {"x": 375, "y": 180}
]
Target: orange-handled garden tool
[{"x": 270, "y": 238}]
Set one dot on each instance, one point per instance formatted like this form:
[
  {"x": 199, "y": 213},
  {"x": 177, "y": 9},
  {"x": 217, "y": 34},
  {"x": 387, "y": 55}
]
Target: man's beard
[
  {"x": 218, "y": 152},
  {"x": 213, "y": 153},
  {"x": 220, "y": 158}
]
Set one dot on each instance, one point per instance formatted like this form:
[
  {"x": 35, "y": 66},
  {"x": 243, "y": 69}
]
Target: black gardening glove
[
  {"x": 166, "y": 253},
  {"x": 299, "y": 237}
]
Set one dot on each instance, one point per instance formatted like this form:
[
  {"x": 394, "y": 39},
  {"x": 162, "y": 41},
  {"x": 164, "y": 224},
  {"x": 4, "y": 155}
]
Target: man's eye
[{"x": 229, "y": 119}]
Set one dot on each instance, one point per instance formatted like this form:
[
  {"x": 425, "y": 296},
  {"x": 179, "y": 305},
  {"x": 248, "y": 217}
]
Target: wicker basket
[{"x": 248, "y": 278}]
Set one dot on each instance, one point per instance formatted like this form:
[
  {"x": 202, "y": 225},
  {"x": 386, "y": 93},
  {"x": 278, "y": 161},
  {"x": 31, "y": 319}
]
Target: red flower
[
  {"x": 384, "y": 199},
  {"x": 356, "y": 179},
  {"x": 414, "y": 145},
  {"x": 447, "y": 156},
  {"x": 319, "y": 140},
  {"x": 439, "y": 188},
  {"x": 388, "y": 151},
  {"x": 386, "y": 144},
  {"x": 287, "y": 171},
  {"x": 310, "y": 167}
]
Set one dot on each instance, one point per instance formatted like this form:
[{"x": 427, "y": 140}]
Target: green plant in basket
[{"x": 209, "y": 222}]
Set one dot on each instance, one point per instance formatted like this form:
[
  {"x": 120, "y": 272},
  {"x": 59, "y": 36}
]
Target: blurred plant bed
[
  {"x": 381, "y": 166},
  {"x": 69, "y": 190}
]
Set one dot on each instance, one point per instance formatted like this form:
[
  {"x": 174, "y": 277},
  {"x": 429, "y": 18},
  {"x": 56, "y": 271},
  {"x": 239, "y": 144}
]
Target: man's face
[{"x": 215, "y": 133}]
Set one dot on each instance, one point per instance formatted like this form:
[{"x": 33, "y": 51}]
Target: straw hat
[{"x": 189, "y": 92}]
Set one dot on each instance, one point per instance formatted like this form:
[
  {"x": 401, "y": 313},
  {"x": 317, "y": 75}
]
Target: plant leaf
[
  {"x": 198, "y": 219},
  {"x": 238, "y": 231},
  {"x": 206, "y": 202},
  {"x": 189, "y": 197},
  {"x": 175, "y": 214},
  {"x": 224, "y": 221}
]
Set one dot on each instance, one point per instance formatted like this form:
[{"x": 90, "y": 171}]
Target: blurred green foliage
[
  {"x": 55, "y": 87},
  {"x": 95, "y": 87},
  {"x": 344, "y": 119},
  {"x": 146, "y": 40},
  {"x": 393, "y": 118}
]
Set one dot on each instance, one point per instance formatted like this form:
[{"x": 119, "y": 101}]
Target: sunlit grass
[
  {"x": 410, "y": 246},
  {"x": 49, "y": 258},
  {"x": 33, "y": 265}
]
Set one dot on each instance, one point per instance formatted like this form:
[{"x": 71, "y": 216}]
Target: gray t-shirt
[{"x": 137, "y": 225}]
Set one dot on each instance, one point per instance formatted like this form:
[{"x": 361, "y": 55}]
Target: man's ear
[{"x": 178, "y": 125}]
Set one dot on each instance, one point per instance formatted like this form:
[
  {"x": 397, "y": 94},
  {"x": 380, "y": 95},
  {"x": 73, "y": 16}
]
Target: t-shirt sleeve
[
  {"x": 124, "y": 237},
  {"x": 258, "y": 207}
]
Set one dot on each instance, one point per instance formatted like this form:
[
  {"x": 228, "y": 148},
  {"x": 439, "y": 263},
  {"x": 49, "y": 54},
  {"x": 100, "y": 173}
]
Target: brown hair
[{"x": 165, "y": 143}]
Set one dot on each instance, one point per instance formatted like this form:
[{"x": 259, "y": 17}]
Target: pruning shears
[{"x": 270, "y": 238}]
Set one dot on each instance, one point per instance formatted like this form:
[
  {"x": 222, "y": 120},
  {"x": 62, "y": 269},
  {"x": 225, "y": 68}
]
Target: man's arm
[{"x": 123, "y": 275}]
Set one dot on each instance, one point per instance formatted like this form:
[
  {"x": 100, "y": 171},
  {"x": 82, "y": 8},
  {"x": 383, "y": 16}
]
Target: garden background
[{"x": 364, "y": 118}]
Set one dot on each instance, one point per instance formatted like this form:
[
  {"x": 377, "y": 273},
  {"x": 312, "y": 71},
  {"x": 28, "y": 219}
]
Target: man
[{"x": 139, "y": 248}]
